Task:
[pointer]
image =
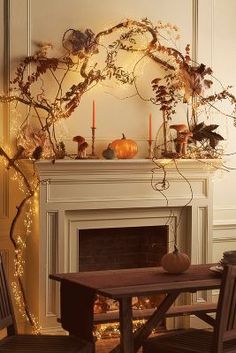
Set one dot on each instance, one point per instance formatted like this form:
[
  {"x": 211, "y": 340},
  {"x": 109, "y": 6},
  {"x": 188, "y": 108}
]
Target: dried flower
[
  {"x": 30, "y": 138},
  {"x": 80, "y": 43},
  {"x": 193, "y": 80},
  {"x": 42, "y": 52}
]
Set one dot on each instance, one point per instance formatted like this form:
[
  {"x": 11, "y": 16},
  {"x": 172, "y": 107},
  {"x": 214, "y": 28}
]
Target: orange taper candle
[
  {"x": 150, "y": 127},
  {"x": 94, "y": 115}
]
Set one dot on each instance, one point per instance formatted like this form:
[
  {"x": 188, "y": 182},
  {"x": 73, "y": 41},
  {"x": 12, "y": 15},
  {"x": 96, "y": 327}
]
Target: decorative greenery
[
  {"x": 202, "y": 132},
  {"x": 180, "y": 79}
]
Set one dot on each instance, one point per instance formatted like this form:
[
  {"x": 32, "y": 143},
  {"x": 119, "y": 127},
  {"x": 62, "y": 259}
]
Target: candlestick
[
  {"x": 150, "y": 154},
  {"x": 93, "y": 154},
  {"x": 150, "y": 127},
  {"x": 94, "y": 115},
  {"x": 93, "y": 128},
  {"x": 93, "y": 140},
  {"x": 150, "y": 137}
]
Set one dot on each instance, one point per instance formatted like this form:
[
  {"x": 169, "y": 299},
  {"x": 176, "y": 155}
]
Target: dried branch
[{"x": 19, "y": 209}]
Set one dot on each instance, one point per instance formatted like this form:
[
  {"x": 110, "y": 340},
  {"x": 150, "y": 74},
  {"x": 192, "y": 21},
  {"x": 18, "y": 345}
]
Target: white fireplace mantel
[
  {"x": 90, "y": 194},
  {"x": 122, "y": 183}
]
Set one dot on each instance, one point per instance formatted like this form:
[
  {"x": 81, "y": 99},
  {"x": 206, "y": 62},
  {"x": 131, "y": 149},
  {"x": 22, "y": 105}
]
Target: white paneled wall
[
  {"x": 222, "y": 59},
  {"x": 224, "y": 231}
]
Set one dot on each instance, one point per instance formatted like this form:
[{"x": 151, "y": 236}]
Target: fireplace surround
[{"x": 77, "y": 196}]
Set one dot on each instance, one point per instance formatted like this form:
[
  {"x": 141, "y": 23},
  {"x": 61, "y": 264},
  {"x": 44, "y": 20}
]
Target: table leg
[
  {"x": 142, "y": 334},
  {"x": 77, "y": 310},
  {"x": 126, "y": 327},
  {"x": 130, "y": 342}
]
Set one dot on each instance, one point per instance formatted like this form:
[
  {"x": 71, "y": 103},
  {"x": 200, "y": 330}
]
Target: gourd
[
  {"x": 124, "y": 148},
  {"x": 109, "y": 152},
  {"x": 175, "y": 262}
]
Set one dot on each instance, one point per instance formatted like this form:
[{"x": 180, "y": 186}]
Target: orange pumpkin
[
  {"x": 175, "y": 262},
  {"x": 124, "y": 148}
]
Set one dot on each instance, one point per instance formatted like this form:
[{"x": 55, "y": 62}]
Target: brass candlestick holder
[
  {"x": 93, "y": 154},
  {"x": 150, "y": 152}
]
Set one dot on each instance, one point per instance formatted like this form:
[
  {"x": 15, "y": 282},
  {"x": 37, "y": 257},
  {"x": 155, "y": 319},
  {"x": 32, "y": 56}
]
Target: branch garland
[
  {"x": 183, "y": 80},
  {"x": 16, "y": 244}
]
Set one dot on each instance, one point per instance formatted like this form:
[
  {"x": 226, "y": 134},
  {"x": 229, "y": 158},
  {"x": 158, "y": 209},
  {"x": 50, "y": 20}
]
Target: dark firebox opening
[{"x": 118, "y": 248}]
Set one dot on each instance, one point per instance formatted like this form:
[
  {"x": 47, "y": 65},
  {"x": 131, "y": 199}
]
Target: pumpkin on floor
[{"x": 124, "y": 148}]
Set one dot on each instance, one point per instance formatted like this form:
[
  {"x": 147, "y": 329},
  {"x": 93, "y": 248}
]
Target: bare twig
[{"x": 30, "y": 192}]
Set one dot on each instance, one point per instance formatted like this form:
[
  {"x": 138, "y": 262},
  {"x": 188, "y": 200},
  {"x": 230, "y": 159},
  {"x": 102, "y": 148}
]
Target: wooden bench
[{"x": 200, "y": 310}]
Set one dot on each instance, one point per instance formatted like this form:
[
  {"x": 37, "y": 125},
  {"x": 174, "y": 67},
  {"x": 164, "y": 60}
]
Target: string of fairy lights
[
  {"x": 112, "y": 330},
  {"x": 19, "y": 241},
  {"x": 19, "y": 259}
]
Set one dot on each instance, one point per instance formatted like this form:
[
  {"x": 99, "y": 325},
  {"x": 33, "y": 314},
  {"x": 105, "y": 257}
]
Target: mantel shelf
[{"x": 47, "y": 167}]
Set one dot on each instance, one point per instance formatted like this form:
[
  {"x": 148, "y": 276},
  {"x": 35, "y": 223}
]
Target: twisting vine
[{"x": 18, "y": 242}]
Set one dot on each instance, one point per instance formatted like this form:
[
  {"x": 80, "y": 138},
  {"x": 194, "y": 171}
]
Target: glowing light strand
[{"x": 18, "y": 242}]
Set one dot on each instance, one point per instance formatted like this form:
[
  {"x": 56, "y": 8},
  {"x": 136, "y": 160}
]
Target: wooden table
[{"x": 78, "y": 292}]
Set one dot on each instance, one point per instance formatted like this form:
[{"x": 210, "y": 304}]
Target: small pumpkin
[
  {"x": 124, "y": 148},
  {"x": 175, "y": 262},
  {"x": 108, "y": 153}
]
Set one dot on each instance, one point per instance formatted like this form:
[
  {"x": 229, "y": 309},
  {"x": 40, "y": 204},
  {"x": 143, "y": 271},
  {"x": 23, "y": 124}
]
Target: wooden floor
[{"x": 106, "y": 345}]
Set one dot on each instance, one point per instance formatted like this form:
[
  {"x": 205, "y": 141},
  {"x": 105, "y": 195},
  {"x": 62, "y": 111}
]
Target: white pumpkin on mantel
[{"x": 175, "y": 262}]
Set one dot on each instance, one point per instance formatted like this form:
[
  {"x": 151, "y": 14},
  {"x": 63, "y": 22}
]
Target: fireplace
[{"x": 80, "y": 199}]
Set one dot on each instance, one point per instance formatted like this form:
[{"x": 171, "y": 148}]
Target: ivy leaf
[
  {"x": 198, "y": 127},
  {"x": 211, "y": 127},
  {"x": 203, "y": 132}
]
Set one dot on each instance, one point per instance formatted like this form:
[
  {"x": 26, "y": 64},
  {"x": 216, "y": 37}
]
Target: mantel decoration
[
  {"x": 177, "y": 80},
  {"x": 124, "y": 148}
]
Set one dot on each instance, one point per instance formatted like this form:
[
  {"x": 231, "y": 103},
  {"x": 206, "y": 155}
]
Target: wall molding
[
  {"x": 219, "y": 240},
  {"x": 195, "y": 11},
  {"x": 224, "y": 216},
  {"x": 4, "y": 176},
  {"x": 51, "y": 306},
  {"x": 6, "y": 67},
  {"x": 225, "y": 225},
  {"x": 224, "y": 222},
  {"x": 29, "y": 27}
]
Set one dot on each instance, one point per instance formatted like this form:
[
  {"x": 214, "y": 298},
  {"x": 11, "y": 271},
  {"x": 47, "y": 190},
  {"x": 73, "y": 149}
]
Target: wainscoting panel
[{"x": 224, "y": 231}]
